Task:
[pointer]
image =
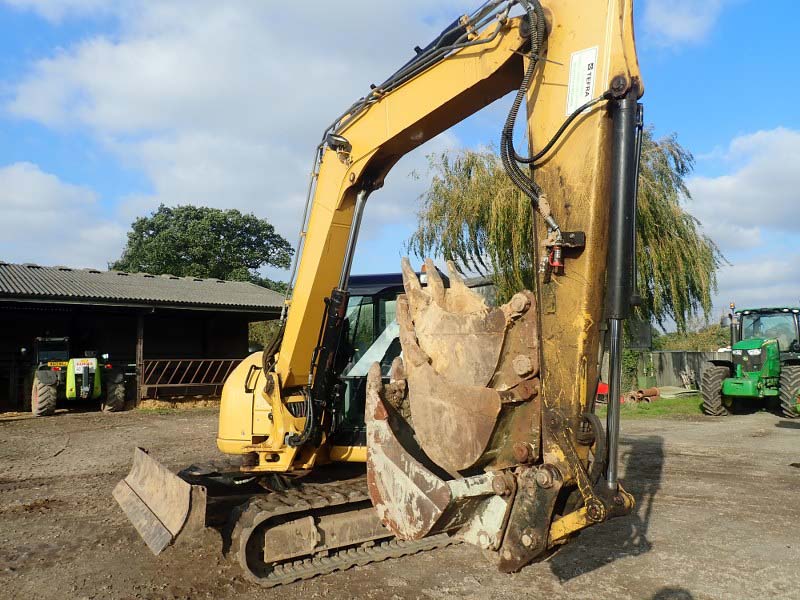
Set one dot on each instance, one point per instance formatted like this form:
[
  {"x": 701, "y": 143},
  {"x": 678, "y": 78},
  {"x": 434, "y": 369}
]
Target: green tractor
[
  {"x": 58, "y": 376},
  {"x": 764, "y": 365}
]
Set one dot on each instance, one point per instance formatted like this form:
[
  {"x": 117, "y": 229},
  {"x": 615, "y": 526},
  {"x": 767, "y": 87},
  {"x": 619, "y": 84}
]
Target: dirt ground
[{"x": 718, "y": 516}]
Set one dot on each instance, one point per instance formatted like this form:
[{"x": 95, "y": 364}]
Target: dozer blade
[{"x": 160, "y": 505}]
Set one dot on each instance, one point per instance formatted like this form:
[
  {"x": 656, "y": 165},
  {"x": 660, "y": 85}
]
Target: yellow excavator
[{"x": 479, "y": 424}]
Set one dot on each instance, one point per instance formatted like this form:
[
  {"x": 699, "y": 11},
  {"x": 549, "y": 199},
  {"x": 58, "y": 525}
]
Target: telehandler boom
[{"x": 483, "y": 429}]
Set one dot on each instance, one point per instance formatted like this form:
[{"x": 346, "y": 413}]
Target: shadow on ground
[
  {"x": 672, "y": 593},
  {"x": 625, "y": 536}
]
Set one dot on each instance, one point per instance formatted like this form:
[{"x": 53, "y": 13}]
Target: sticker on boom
[{"x": 582, "y": 76}]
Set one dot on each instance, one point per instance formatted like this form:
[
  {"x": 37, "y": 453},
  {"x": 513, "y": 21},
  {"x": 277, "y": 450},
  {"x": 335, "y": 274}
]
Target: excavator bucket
[
  {"x": 468, "y": 367},
  {"x": 460, "y": 440},
  {"x": 160, "y": 505},
  {"x": 461, "y": 402}
]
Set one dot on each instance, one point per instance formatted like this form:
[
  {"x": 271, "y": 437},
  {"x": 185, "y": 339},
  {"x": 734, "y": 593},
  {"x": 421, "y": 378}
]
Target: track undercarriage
[{"x": 277, "y": 529}]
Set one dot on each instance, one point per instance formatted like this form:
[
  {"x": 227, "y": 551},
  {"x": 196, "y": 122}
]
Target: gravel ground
[{"x": 717, "y": 516}]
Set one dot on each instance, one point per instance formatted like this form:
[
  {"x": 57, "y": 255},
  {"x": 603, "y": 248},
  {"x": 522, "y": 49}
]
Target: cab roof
[{"x": 773, "y": 309}]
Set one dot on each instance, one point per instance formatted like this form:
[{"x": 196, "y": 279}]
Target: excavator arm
[
  {"x": 589, "y": 47},
  {"x": 355, "y": 156},
  {"x": 485, "y": 429}
]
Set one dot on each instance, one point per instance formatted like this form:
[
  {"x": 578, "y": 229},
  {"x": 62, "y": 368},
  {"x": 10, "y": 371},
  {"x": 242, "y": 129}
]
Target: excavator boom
[{"x": 479, "y": 425}]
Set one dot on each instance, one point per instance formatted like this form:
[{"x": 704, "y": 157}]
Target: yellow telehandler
[{"x": 481, "y": 426}]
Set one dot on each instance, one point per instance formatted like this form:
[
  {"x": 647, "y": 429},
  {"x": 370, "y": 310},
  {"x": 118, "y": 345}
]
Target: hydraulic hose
[
  {"x": 535, "y": 15},
  {"x": 532, "y": 160}
]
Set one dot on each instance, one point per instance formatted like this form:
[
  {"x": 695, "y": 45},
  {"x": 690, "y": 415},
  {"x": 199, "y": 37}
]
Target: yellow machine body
[
  {"x": 481, "y": 425},
  {"x": 575, "y": 179}
]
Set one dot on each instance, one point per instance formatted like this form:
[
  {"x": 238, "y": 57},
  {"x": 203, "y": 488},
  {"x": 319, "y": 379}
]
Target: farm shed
[{"x": 179, "y": 335}]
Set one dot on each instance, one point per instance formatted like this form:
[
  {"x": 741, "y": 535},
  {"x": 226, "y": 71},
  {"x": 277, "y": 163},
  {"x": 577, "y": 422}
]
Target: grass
[{"x": 688, "y": 406}]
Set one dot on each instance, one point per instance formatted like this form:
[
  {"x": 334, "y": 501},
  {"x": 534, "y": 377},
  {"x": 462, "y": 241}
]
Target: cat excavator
[{"x": 481, "y": 428}]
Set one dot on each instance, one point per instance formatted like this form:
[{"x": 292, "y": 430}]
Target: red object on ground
[{"x": 602, "y": 393}]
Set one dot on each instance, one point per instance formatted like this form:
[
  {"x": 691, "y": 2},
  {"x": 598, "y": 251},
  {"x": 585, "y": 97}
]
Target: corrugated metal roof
[{"x": 64, "y": 284}]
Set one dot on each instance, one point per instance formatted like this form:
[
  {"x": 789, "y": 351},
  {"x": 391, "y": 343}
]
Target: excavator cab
[{"x": 371, "y": 334}]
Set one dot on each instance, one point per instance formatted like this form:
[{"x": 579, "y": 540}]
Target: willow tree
[{"x": 475, "y": 216}]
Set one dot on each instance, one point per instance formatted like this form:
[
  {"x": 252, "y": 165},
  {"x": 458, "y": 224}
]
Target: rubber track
[
  {"x": 711, "y": 390},
  {"x": 789, "y": 383},
  {"x": 302, "y": 500}
]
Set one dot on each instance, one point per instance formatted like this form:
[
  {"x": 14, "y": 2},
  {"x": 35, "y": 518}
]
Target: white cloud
[
  {"x": 56, "y": 10},
  {"x": 225, "y": 108},
  {"x": 752, "y": 213},
  {"x": 759, "y": 197},
  {"x": 767, "y": 280},
  {"x": 45, "y": 220},
  {"x": 681, "y": 21}
]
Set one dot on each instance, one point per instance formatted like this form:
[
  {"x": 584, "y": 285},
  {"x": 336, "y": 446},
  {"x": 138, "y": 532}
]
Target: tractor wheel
[
  {"x": 115, "y": 397},
  {"x": 790, "y": 384},
  {"x": 711, "y": 389},
  {"x": 43, "y": 398}
]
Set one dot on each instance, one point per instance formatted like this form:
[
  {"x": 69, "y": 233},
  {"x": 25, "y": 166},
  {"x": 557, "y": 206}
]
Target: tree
[
  {"x": 708, "y": 338},
  {"x": 197, "y": 241},
  {"x": 475, "y": 216}
]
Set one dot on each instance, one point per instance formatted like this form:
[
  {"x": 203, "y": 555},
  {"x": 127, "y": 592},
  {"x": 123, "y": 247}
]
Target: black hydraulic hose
[
  {"x": 539, "y": 155},
  {"x": 507, "y": 154},
  {"x": 295, "y": 439},
  {"x": 426, "y": 59},
  {"x": 451, "y": 37},
  {"x": 402, "y": 77},
  {"x": 268, "y": 354}
]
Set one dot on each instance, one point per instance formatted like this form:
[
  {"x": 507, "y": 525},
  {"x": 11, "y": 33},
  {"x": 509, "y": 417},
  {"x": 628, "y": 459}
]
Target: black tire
[
  {"x": 43, "y": 399},
  {"x": 115, "y": 397},
  {"x": 711, "y": 390},
  {"x": 790, "y": 383}
]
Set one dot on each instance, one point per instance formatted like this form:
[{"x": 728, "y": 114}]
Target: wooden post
[{"x": 139, "y": 356}]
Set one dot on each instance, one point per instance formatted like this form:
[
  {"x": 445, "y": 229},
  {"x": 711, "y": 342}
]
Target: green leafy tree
[
  {"x": 677, "y": 263},
  {"x": 475, "y": 216},
  {"x": 709, "y": 338},
  {"x": 262, "y": 333},
  {"x": 197, "y": 241}
]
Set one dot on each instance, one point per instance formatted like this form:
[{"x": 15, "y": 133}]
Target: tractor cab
[
  {"x": 51, "y": 351},
  {"x": 779, "y": 325},
  {"x": 51, "y": 359}
]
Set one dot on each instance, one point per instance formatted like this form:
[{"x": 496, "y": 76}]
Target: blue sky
[{"x": 109, "y": 108}]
